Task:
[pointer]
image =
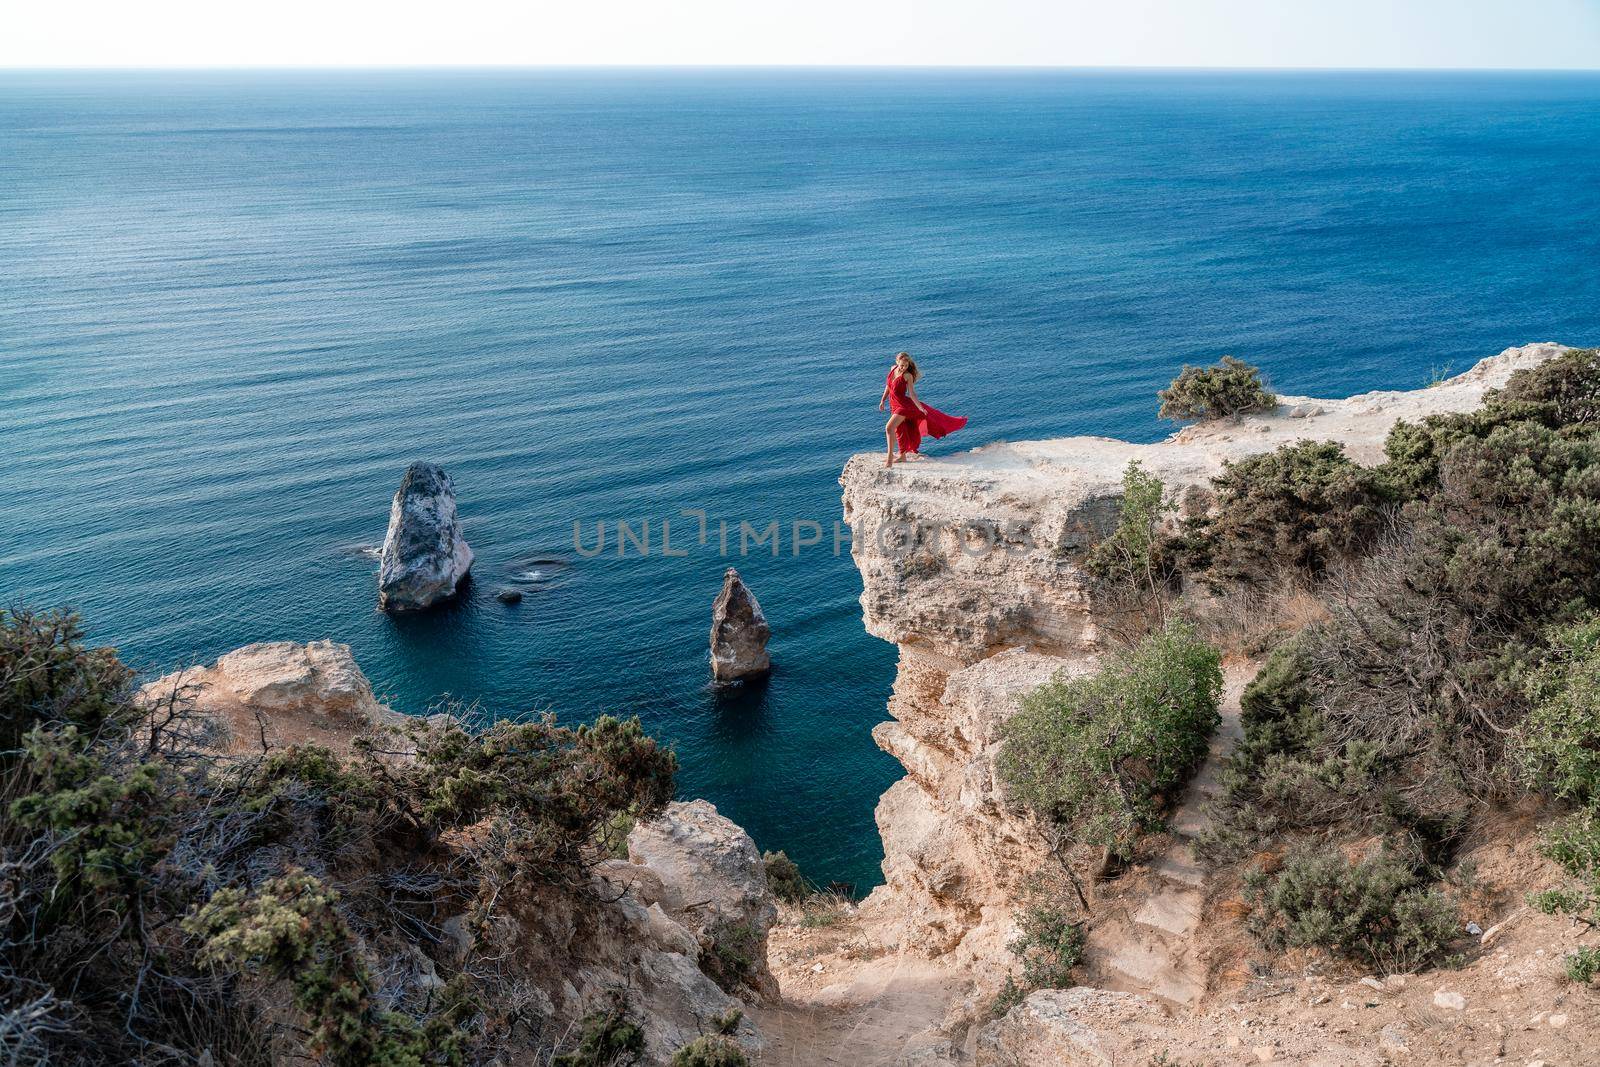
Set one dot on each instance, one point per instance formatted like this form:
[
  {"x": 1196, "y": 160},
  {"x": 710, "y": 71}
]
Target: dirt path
[{"x": 887, "y": 1014}]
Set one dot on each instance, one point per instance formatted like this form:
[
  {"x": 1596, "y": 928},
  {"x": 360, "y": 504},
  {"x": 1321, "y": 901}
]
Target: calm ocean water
[{"x": 234, "y": 306}]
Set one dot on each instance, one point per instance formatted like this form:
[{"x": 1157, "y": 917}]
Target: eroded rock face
[
  {"x": 319, "y": 678},
  {"x": 972, "y": 564},
  {"x": 282, "y": 691},
  {"x": 424, "y": 557},
  {"x": 656, "y": 957},
  {"x": 739, "y": 632},
  {"x": 955, "y": 856},
  {"x": 713, "y": 882}
]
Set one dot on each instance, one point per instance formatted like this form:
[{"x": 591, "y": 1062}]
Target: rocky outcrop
[
  {"x": 739, "y": 633},
  {"x": 654, "y": 956},
  {"x": 954, "y": 857},
  {"x": 648, "y": 932},
  {"x": 972, "y": 565},
  {"x": 972, "y": 553},
  {"x": 690, "y": 899},
  {"x": 279, "y": 693},
  {"x": 712, "y": 880},
  {"x": 424, "y": 557}
]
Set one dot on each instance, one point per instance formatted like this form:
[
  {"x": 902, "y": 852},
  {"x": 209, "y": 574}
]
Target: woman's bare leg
[{"x": 888, "y": 432}]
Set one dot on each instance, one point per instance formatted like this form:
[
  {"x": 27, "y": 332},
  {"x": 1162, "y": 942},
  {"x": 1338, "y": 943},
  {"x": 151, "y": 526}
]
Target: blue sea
[{"x": 234, "y": 306}]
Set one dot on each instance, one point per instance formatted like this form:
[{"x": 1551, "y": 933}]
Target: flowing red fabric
[
  {"x": 932, "y": 423},
  {"x": 935, "y": 424}
]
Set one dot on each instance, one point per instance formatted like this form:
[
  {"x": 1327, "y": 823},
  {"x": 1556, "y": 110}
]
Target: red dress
[{"x": 933, "y": 422}]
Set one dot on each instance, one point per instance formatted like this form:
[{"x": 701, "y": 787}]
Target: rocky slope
[
  {"x": 648, "y": 929},
  {"x": 971, "y": 565}
]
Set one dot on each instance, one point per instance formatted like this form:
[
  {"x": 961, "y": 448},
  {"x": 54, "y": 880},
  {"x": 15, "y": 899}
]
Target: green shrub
[
  {"x": 289, "y": 929},
  {"x": 613, "y": 839},
  {"x": 1230, "y": 387},
  {"x": 784, "y": 878},
  {"x": 1459, "y": 648},
  {"x": 1416, "y": 679},
  {"x": 1277, "y": 710},
  {"x": 713, "y": 1050},
  {"x": 1574, "y": 843},
  {"x": 166, "y": 887},
  {"x": 1302, "y": 507},
  {"x": 49, "y": 678},
  {"x": 731, "y": 955},
  {"x": 1378, "y": 912},
  {"x": 607, "y": 1038},
  {"x": 1560, "y": 739},
  {"x": 1281, "y": 775},
  {"x": 102, "y": 818},
  {"x": 1561, "y": 394},
  {"x": 1509, "y": 534},
  {"x": 1050, "y": 945},
  {"x": 1099, "y": 757},
  {"x": 1560, "y": 745},
  {"x": 1582, "y": 965},
  {"x": 1134, "y": 553},
  {"x": 1136, "y": 564}
]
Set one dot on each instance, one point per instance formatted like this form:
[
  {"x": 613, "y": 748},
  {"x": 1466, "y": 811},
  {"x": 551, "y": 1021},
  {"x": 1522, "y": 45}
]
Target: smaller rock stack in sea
[
  {"x": 739, "y": 633},
  {"x": 424, "y": 556}
]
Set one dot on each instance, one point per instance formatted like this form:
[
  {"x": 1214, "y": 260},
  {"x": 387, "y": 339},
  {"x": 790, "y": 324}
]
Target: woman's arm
[{"x": 884, "y": 399}]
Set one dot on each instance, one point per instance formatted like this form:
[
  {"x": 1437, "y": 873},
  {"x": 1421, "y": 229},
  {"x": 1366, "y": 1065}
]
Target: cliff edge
[{"x": 972, "y": 564}]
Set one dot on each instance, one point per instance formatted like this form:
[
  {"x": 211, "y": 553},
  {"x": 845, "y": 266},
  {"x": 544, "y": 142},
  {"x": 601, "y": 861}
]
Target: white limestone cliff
[{"x": 972, "y": 565}]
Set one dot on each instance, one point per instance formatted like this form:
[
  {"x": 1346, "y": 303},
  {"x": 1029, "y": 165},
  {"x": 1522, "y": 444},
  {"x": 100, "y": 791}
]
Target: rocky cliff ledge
[
  {"x": 651, "y": 929},
  {"x": 971, "y": 564}
]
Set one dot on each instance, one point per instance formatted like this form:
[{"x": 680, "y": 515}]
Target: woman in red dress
[{"x": 909, "y": 417}]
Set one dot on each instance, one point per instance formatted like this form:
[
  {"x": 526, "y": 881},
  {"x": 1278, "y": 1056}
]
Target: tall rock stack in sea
[
  {"x": 424, "y": 558},
  {"x": 739, "y": 633}
]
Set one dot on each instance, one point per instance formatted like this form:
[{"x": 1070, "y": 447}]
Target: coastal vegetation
[
  {"x": 1136, "y": 563},
  {"x": 716, "y": 1049},
  {"x": 1451, "y": 667},
  {"x": 1049, "y": 945},
  {"x": 784, "y": 878},
  {"x": 1227, "y": 388},
  {"x": 163, "y": 903},
  {"x": 1299, "y": 509},
  {"x": 1097, "y": 759},
  {"x": 1378, "y": 911},
  {"x": 1453, "y": 672},
  {"x": 1561, "y": 752}
]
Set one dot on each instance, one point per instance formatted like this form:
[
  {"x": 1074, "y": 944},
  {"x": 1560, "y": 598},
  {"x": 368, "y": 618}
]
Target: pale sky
[{"x": 1185, "y": 33}]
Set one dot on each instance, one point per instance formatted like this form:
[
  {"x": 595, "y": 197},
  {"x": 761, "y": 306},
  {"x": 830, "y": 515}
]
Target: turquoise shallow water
[{"x": 234, "y": 306}]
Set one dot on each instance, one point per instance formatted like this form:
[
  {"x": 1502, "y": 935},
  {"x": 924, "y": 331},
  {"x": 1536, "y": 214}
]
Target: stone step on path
[
  {"x": 1173, "y": 911},
  {"x": 1148, "y": 963},
  {"x": 1156, "y": 952},
  {"x": 1180, "y": 867}
]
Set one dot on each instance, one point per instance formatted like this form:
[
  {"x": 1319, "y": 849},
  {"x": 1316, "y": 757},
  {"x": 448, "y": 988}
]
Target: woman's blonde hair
[{"x": 911, "y": 365}]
